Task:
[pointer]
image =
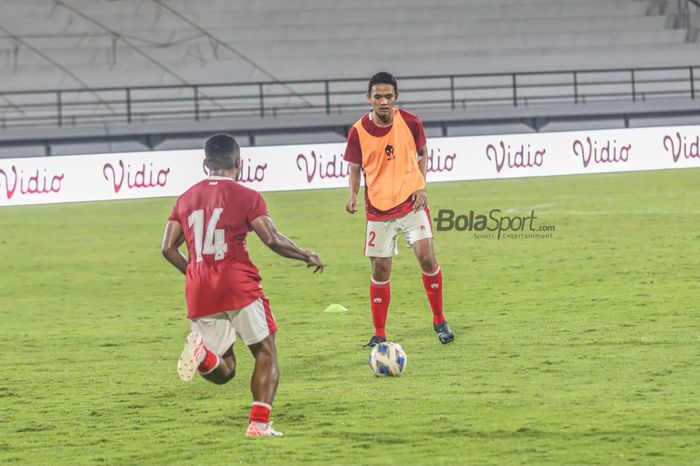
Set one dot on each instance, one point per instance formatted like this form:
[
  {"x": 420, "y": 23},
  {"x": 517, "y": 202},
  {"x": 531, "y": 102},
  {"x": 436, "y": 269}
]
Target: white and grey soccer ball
[{"x": 387, "y": 359}]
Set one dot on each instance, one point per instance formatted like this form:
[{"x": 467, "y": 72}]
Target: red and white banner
[{"x": 96, "y": 177}]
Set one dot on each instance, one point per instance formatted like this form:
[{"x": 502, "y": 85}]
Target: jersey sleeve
[
  {"x": 175, "y": 215},
  {"x": 353, "y": 150},
  {"x": 416, "y": 127},
  {"x": 258, "y": 208}
]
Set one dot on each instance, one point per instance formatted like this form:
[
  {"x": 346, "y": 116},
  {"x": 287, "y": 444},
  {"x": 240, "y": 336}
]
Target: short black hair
[
  {"x": 222, "y": 151},
  {"x": 382, "y": 78}
]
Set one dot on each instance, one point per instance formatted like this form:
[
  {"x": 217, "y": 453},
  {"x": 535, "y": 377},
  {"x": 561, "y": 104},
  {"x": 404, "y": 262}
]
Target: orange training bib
[{"x": 390, "y": 165}]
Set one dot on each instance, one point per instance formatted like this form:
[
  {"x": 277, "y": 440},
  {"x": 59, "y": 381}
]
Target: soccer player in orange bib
[
  {"x": 389, "y": 146},
  {"x": 222, "y": 285}
]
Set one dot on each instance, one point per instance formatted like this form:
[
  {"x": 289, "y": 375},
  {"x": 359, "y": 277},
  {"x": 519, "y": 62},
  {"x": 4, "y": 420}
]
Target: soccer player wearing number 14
[{"x": 222, "y": 286}]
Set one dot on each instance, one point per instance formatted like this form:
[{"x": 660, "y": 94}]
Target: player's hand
[
  {"x": 312, "y": 260},
  {"x": 351, "y": 207},
  {"x": 420, "y": 200}
]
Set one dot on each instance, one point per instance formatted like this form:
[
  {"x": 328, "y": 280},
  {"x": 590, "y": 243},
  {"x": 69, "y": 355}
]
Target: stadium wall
[{"x": 96, "y": 177}]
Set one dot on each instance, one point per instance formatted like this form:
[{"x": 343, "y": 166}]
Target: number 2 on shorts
[{"x": 370, "y": 241}]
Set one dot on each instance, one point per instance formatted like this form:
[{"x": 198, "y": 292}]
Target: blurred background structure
[{"x": 87, "y": 76}]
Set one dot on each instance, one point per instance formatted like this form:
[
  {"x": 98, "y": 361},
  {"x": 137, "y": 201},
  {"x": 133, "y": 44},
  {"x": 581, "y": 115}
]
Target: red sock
[
  {"x": 211, "y": 362},
  {"x": 433, "y": 289},
  {"x": 379, "y": 296},
  {"x": 260, "y": 412}
]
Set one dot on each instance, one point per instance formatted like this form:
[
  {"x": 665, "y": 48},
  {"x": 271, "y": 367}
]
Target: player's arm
[
  {"x": 420, "y": 197},
  {"x": 282, "y": 245},
  {"x": 173, "y": 237},
  {"x": 354, "y": 187}
]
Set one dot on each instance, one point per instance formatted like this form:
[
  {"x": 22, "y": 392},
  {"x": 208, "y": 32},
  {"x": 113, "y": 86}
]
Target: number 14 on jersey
[{"x": 214, "y": 242}]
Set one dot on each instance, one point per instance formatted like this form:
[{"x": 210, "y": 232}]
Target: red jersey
[
  {"x": 216, "y": 215},
  {"x": 353, "y": 153}
]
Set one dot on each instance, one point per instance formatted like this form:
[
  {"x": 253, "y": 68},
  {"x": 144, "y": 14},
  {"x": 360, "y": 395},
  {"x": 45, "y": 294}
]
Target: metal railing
[{"x": 152, "y": 104}]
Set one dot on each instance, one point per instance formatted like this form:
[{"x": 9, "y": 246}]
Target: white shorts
[
  {"x": 380, "y": 240},
  {"x": 253, "y": 323}
]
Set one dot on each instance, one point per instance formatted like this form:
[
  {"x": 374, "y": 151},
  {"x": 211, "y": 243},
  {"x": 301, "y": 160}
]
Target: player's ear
[
  {"x": 237, "y": 163},
  {"x": 207, "y": 168},
  {"x": 369, "y": 98}
]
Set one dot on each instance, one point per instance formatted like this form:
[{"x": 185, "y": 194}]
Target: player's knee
[
  {"x": 227, "y": 378},
  {"x": 269, "y": 357},
  {"x": 219, "y": 378},
  {"x": 265, "y": 350},
  {"x": 428, "y": 264},
  {"x": 381, "y": 272}
]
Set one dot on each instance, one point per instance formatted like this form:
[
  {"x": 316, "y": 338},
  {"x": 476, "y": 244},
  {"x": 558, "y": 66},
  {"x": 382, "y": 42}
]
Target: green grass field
[{"x": 579, "y": 349}]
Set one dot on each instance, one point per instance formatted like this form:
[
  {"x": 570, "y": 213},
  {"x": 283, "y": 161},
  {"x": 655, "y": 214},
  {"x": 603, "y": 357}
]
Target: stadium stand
[{"x": 99, "y": 52}]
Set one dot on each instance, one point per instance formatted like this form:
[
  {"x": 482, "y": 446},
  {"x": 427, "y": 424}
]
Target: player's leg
[
  {"x": 263, "y": 386},
  {"x": 379, "y": 297},
  {"x": 432, "y": 276},
  {"x": 418, "y": 230},
  {"x": 425, "y": 253},
  {"x": 380, "y": 246},
  {"x": 381, "y": 269},
  {"x": 256, "y": 325},
  {"x": 208, "y": 350},
  {"x": 265, "y": 379},
  {"x": 224, "y": 371}
]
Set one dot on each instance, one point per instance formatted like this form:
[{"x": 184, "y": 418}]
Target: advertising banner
[{"x": 45, "y": 180}]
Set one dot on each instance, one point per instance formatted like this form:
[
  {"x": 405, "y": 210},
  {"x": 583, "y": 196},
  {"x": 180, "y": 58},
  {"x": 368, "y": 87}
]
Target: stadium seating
[
  {"x": 82, "y": 44},
  {"x": 116, "y": 43}
]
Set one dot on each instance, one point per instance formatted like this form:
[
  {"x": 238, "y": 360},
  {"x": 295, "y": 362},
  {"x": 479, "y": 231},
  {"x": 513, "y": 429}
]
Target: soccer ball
[{"x": 387, "y": 359}]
